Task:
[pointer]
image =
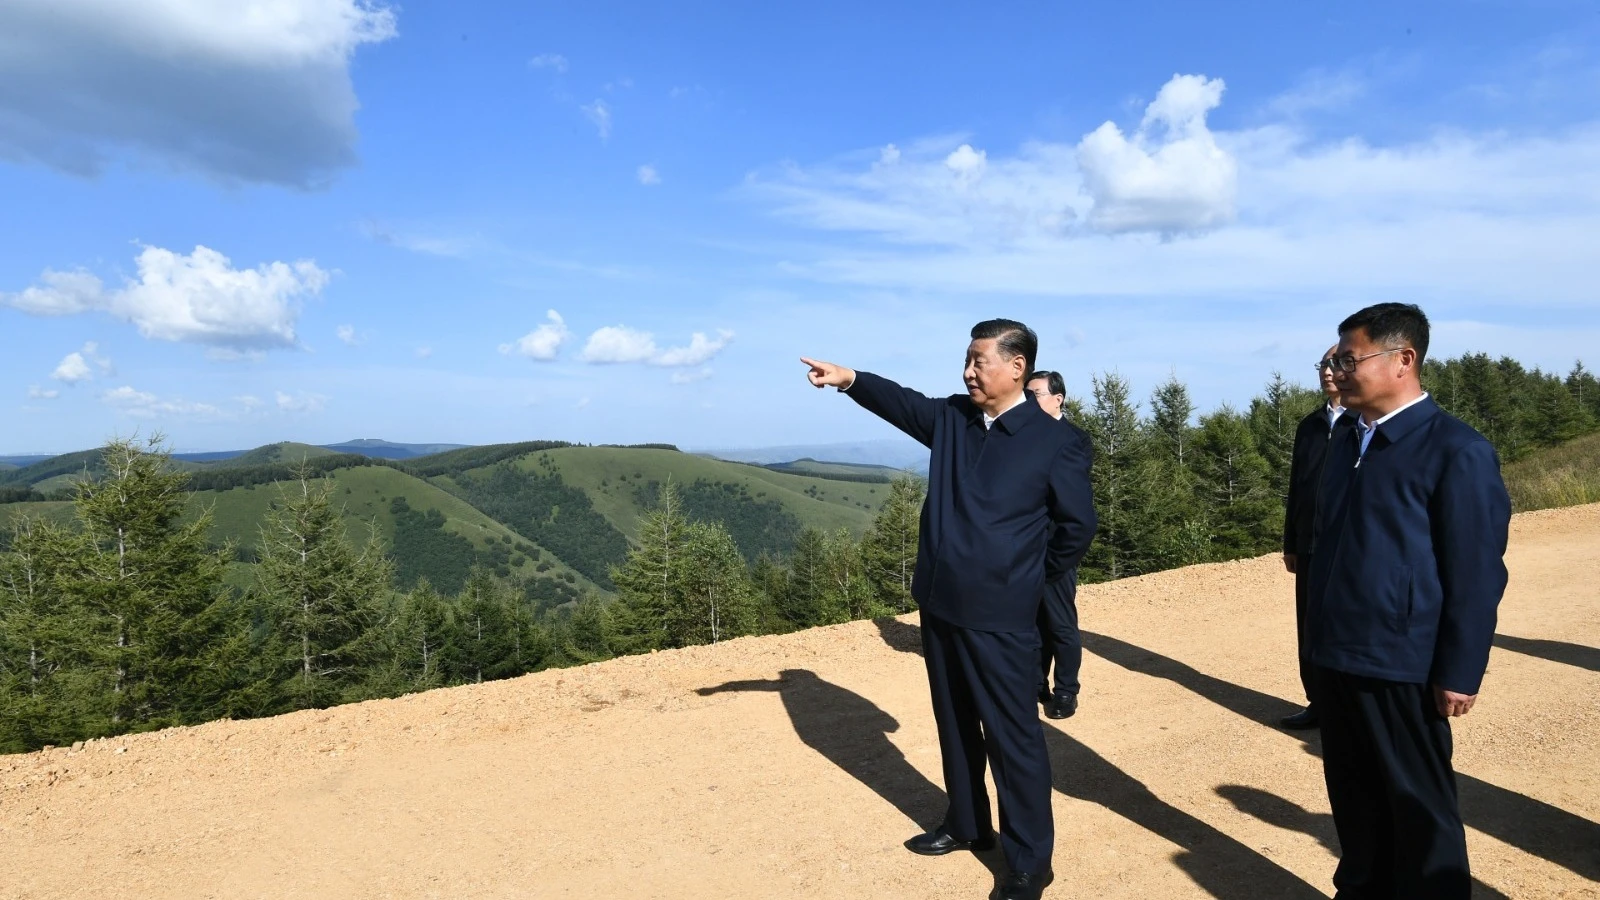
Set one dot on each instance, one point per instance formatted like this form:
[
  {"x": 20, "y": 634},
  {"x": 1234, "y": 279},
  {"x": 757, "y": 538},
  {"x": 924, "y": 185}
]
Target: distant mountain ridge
[{"x": 897, "y": 453}]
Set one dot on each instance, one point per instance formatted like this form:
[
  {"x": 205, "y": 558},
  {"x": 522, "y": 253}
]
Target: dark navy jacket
[
  {"x": 1311, "y": 438},
  {"x": 1408, "y": 569},
  {"x": 998, "y": 498}
]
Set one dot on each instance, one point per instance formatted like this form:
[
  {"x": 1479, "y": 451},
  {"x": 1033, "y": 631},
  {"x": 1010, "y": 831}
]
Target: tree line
[{"x": 124, "y": 622}]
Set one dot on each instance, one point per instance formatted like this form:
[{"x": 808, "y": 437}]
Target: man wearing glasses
[
  {"x": 1311, "y": 439},
  {"x": 1060, "y": 641},
  {"x": 1406, "y": 577}
]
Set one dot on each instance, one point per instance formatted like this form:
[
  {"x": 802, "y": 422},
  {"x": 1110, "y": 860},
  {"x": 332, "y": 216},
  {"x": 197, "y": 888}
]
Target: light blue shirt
[{"x": 1367, "y": 431}]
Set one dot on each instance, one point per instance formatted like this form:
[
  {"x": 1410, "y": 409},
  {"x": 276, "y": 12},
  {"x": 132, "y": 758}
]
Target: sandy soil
[{"x": 794, "y": 766}]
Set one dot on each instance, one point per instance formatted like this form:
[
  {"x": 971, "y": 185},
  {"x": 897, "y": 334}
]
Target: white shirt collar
[
  {"x": 988, "y": 420},
  {"x": 1362, "y": 421}
]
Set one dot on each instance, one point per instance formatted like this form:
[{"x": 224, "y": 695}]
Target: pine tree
[
  {"x": 488, "y": 631},
  {"x": 1233, "y": 480},
  {"x": 421, "y": 641},
  {"x": 1171, "y": 410},
  {"x": 889, "y": 548},
  {"x": 149, "y": 591},
  {"x": 805, "y": 604},
  {"x": 1274, "y": 419},
  {"x": 1585, "y": 389},
  {"x": 650, "y": 582},
  {"x": 1120, "y": 451},
  {"x": 36, "y": 704},
  {"x": 714, "y": 600},
  {"x": 584, "y": 634},
  {"x": 849, "y": 594},
  {"x": 322, "y": 598}
]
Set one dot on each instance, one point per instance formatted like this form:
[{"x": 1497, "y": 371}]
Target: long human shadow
[
  {"x": 1291, "y": 816},
  {"x": 1556, "y": 651},
  {"x": 1219, "y": 864},
  {"x": 1536, "y": 827},
  {"x": 851, "y": 732}
]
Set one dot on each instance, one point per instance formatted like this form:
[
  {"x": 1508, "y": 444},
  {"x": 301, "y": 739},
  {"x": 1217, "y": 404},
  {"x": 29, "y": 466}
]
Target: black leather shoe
[
  {"x": 1045, "y": 696},
  {"x": 1061, "y": 707},
  {"x": 1025, "y": 885},
  {"x": 938, "y": 842},
  {"x": 1305, "y": 718}
]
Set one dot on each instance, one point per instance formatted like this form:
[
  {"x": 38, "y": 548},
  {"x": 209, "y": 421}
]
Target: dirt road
[{"x": 794, "y": 766}]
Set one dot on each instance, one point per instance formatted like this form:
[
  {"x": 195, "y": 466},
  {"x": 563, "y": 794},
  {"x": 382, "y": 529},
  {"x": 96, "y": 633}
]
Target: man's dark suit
[
  {"x": 1311, "y": 439},
  {"x": 1058, "y": 615},
  {"x": 1406, "y": 578},
  {"x": 997, "y": 498}
]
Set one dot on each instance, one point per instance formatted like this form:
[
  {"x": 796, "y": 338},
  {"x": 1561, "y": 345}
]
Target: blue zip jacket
[
  {"x": 1409, "y": 571},
  {"x": 998, "y": 500}
]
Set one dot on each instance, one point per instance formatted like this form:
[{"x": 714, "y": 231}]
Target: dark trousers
[
  {"x": 1386, "y": 758},
  {"x": 1058, "y": 631},
  {"x": 982, "y": 684},
  {"x": 1302, "y": 595}
]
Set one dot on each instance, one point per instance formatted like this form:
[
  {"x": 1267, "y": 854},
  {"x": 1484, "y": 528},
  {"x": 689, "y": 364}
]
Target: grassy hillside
[
  {"x": 617, "y": 481},
  {"x": 6, "y": 467},
  {"x": 844, "y": 471},
  {"x": 458, "y": 536},
  {"x": 284, "y": 452},
  {"x": 1560, "y": 476}
]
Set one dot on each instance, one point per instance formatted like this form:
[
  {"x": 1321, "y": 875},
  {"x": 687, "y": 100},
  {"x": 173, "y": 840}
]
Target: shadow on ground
[
  {"x": 1556, "y": 651},
  {"x": 1536, "y": 827}
]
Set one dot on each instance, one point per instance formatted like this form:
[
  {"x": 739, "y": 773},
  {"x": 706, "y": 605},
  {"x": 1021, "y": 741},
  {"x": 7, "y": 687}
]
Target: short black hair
[
  {"x": 1392, "y": 325},
  {"x": 1015, "y": 339},
  {"x": 1057, "y": 385}
]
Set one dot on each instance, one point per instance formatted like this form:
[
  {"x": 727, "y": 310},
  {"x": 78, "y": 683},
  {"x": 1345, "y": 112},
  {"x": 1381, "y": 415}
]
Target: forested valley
[{"x": 120, "y": 610}]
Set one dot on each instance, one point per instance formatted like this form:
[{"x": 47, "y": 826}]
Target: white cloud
[
  {"x": 889, "y": 155},
  {"x": 621, "y": 344},
  {"x": 299, "y": 403},
  {"x": 1170, "y": 176},
  {"x": 37, "y": 393},
  {"x": 347, "y": 334},
  {"x": 75, "y": 367},
  {"x": 199, "y": 298},
  {"x": 248, "y": 401},
  {"x": 555, "y": 62},
  {"x": 145, "y": 405},
  {"x": 964, "y": 161},
  {"x": 1494, "y": 217},
  {"x": 648, "y": 175},
  {"x": 424, "y": 352},
  {"x": 599, "y": 114},
  {"x": 237, "y": 89},
  {"x": 543, "y": 342}
]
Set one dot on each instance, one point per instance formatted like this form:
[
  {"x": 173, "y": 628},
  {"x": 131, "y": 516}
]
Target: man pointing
[{"x": 1007, "y": 484}]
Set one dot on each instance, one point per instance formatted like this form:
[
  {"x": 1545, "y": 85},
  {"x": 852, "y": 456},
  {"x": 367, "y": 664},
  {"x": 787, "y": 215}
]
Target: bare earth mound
[{"x": 794, "y": 766}]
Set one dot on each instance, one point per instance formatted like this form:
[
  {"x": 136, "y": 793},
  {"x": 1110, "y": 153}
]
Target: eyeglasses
[{"x": 1348, "y": 363}]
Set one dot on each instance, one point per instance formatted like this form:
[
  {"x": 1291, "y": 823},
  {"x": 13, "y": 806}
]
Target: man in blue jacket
[
  {"x": 1006, "y": 484},
  {"x": 1058, "y": 609},
  {"x": 1406, "y": 579}
]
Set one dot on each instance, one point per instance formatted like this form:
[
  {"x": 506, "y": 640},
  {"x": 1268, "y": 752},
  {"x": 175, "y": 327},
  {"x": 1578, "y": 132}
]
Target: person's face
[
  {"x": 989, "y": 377},
  {"x": 1050, "y": 403},
  {"x": 1381, "y": 377},
  {"x": 1329, "y": 386}
]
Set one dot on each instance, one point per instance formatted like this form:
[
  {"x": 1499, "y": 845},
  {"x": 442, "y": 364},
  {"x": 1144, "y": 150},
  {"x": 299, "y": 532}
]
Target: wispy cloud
[
  {"x": 648, "y": 175},
  {"x": 599, "y": 113},
  {"x": 454, "y": 246},
  {"x": 300, "y": 403},
  {"x": 37, "y": 393},
  {"x": 145, "y": 405},
  {"x": 554, "y": 62},
  {"x": 348, "y": 335}
]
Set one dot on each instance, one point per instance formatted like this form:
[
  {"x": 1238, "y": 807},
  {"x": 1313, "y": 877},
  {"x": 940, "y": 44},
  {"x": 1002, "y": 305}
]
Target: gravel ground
[{"x": 794, "y": 766}]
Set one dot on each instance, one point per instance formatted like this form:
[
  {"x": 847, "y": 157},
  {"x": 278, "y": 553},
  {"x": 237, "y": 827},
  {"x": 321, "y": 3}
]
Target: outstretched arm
[{"x": 908, "y": 410}]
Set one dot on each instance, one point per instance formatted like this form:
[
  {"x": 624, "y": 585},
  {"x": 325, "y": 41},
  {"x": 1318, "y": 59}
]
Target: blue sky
[{"x": 478, "y": 222}]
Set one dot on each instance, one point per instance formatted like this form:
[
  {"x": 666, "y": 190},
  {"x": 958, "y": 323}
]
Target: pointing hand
[{"x": 826, "y": 374}]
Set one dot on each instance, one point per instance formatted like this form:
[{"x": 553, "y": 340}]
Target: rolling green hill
[
  {"x": 432, "y": 532},
  {"x": 7, "y": 467},
  {"x": 285, "y": 452}
]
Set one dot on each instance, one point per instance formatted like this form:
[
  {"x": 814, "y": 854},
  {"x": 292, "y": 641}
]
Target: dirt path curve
[{"x": 794, "y": 766}]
